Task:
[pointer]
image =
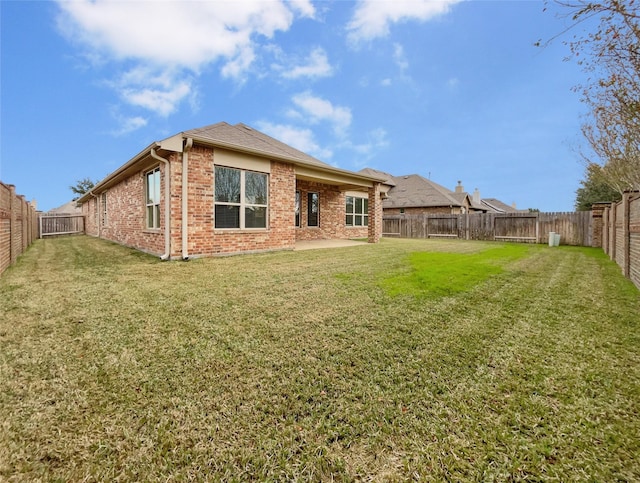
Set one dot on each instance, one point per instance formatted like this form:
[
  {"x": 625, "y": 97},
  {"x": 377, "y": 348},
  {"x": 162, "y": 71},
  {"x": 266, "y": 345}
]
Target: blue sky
[{"x": 448, "y": 90}]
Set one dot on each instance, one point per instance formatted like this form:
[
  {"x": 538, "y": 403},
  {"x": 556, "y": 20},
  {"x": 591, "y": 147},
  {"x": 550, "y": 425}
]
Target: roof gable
[
  {"x": 379, "y": 174},
  {"x": 498, "y": 206},
  {"x": 242, "y": 136}
]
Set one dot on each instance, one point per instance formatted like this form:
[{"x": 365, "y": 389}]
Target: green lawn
[{"x": 407, "y": 360}]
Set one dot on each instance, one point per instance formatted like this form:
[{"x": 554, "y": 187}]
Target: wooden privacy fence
[
  {"x": 621, "y": 234},
  {"x": 574, "y": 228},
  {"x": 60, "y": 224},
  {"x": 18, "y": 225}
]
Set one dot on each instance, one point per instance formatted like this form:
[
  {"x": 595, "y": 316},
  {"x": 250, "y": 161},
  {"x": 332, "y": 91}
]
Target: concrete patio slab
[{"x": 335, "y": 243}]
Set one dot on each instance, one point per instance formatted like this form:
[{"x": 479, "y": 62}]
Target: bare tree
[{"x": 610, "y": 55}]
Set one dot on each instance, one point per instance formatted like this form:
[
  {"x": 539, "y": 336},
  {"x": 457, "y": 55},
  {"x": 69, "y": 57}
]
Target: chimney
[
  {"x": 476, "y": 196},
  {"x": 459, "y": 188}
]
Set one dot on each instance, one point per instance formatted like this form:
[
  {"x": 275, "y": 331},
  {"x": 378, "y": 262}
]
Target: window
[
  {"x": 357, "y": 211},
  {"x": 104, "y": 208},
  {"x": 313, "y": 209},
  {"x": 297, "y": 208},
  {"x": 240, "y": 198},
  {"x": 152, "y": 182}
]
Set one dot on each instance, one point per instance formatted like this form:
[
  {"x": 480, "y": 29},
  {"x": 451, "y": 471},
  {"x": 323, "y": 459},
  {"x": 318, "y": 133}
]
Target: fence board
[
  {"x": 17, "y": 225},
  {"x": 574, "y": 228},
  {"x": 60, "y": 224}
]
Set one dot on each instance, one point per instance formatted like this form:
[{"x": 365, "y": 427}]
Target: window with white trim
[
  {"x": 241, "y": 198},
  {"x": 297, "y": 216},
  {"x": 357, "y": 211},
  {"x": 152, "y": 190},
  {"x": 313, "y": 209}
]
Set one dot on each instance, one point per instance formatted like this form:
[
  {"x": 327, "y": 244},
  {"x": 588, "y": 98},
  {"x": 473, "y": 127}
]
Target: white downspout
[
  {"x": 185, "y": 193},
  {"x": 167, "y": 206}
]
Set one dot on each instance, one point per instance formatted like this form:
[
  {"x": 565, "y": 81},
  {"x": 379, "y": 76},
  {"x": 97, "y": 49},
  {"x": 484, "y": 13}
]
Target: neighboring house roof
[
  {"x": 498, "y": 206},
  {"x": 415, "y": 191},
  {"x": 70, "y": 207},
  {"x": 241, "y": 138},
  {"x": 379, "y": 174}
]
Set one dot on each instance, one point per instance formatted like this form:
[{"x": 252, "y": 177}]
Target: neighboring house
[
  {"x": 69, "y": 208},
  {"x": 225, "y": 189},
  {"x": 496, "y": 206},
  {"x": 413, "y": 194}
]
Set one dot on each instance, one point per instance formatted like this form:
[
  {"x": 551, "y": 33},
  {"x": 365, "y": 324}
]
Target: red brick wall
[
  {"x": 126, "y": 212},
  {"x": 126, "y": 215},
  {"x": 374, "y": 231},
  {"x": 280, "y": 233}
]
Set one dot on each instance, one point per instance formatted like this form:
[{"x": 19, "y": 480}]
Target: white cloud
[
  {"x": 376, "y": 139},
  {"x": 237, "y": 67},
  {"x": 156, "y": 90},
  {"x": 174, "y": 39},
  {"x": 162, "y": 102},
  {"x": 400, "y": 58},
  {"x": 300, "y": 138},
  {"x": 128, "y": 124},
  {"x": 304, "y": 7},
  {"x": 372, "y": 18},
  {"x": 385, "y": 82},
  {"x": 317, "y": 65},
  {"x": 318, "y": 109}
]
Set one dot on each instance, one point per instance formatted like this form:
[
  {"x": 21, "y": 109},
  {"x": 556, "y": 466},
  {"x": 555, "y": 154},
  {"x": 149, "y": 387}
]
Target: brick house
[
  {"x": 243, "y": 191},
  {"x": 414, "y": 195}
]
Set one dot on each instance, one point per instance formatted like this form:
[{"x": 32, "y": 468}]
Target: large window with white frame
[
  {"x": 357, "y": 211},
  {"x": 152, "y": 189},
  {"x": 241, "y": 198}
]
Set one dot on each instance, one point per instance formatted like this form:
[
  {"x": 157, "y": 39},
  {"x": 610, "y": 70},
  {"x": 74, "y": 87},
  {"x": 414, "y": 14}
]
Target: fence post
[
  {"x": 605, "y": 229},
  {"x": 466, "y": 226},
  {"x": 613, "y": 233},
  {"x": 598, "y": 224},
  {"x": 626, "y": 245},
  {"x": 13, "y": 221}
]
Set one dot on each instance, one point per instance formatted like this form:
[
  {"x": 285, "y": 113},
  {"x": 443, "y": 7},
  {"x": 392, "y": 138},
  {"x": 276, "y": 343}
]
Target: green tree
[
  {"x": 81, "y": 187},
  {"x": 594, "y": 189}
]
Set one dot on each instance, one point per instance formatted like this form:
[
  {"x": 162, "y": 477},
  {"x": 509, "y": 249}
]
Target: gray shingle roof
[
  {"x": 414, "y": 191},
  {"x": 379, "y": 174},
  {"x": 243, "y": 136},
  {"x": 498, "y": 206}
]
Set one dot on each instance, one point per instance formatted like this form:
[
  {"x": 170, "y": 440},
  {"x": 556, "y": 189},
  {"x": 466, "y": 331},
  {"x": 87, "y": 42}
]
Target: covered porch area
[{"x": 336, "y": 206}]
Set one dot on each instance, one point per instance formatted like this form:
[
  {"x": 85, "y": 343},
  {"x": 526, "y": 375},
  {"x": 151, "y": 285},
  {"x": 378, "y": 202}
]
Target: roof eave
[
  {"x": 287, "y": 159},
  {"x": 115, "y": 176}
]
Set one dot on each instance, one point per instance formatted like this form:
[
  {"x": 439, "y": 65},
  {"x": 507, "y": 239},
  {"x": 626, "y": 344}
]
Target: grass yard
[{"x": 408, "y": 360}]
